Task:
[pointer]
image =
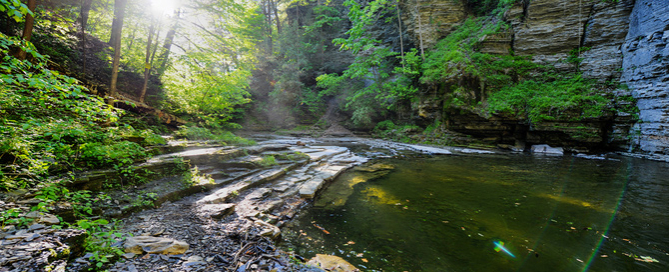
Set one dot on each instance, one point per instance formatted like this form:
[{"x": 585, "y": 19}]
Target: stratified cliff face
[
  {"x": 646, "y": 71},
  {"x": 549, "y": 29},
  {"x": 438, "y": 18}
]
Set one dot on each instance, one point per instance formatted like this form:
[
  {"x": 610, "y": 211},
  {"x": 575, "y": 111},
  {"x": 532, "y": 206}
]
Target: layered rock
[
  {"x": 437, "y": 19},
  {"x": 549, "y": 29},
  {"x": 604, "y": 34},
  {"x": 645, "y": 62}
]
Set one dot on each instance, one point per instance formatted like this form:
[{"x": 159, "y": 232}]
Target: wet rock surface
[{"x": 230, "y": 223}]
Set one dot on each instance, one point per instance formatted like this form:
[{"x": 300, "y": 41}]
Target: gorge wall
[
  {"x": 646, "y": 71},
  {"x": 624, "y": 41}
]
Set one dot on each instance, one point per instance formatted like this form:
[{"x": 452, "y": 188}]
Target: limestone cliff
[
  {"x": 646, "y": 72},
  {"x": 431, "y": 20},
  {"x": 546, "y": 30}
]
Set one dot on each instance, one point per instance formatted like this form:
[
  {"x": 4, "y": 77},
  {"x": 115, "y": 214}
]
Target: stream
[{"x": 491, "y": 212}]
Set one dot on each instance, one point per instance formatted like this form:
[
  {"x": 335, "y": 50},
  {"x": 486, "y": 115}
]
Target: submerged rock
[{"x": 332, "y": 263}]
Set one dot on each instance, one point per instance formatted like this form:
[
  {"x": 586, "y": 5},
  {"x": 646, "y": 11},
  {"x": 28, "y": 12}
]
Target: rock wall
[
  {"x": 438, "y": 18},
  {"x": 605, "y": 33},
  {"x": 646, "y": 72},
  {"x": 549, "y": 29}
]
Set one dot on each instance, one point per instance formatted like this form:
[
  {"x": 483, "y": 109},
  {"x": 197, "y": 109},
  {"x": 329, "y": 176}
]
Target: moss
[{"x": 551, "y": 97}]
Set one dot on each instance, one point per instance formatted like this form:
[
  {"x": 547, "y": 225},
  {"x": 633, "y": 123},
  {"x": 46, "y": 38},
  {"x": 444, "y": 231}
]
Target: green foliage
[
  {"x": 82, "y": 201},
  {"x": 210, "y": 82},
  {"x": 194, "y": 178},
  {"x": 50, "y": 123},
  {"x": 200, "y": 133},
  {"x": 575, "y": 55},
  {"x": 144, "y": 200},
  {"x": 372, "y": 83},
  {"x": 124, "y": 153},
  {"x": 145, "y": 136},
  {"x": 101, "y": 235},
  {"x": 12, "y": 217},
  {"x": 267, "y": 161},
  {"x": 14, "y": 9},
  {"x": 454, "y": 55},
  {"x": 388, "y": 130},
  {"x": 553, "y": 98}
]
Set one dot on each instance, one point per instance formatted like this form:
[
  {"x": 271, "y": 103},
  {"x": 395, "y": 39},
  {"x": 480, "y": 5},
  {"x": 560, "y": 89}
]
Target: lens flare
[{"x": 499, "y": 246}]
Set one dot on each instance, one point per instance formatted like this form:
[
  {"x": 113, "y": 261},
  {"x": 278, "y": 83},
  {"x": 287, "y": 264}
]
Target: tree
[
  {"x": 420, "y": 31},
  {"x": 117, "y": 29},
  {"x": 148, "y": 60},
  {"x": 28, "y": 28},
  {"x": 83, "y": 20},
  {"x": 167, "y": 46},
  {"x": 85, "y": 12}
]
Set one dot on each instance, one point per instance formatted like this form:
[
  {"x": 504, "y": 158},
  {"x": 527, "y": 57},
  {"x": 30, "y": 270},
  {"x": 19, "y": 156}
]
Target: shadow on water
[{"x": 448, "y": 213}]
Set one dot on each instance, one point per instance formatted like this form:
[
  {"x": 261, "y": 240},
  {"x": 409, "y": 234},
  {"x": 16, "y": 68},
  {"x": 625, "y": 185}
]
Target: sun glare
[{"x": 164, "y": 7}]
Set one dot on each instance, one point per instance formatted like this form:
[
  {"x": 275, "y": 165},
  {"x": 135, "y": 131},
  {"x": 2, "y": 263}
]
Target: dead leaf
[
  {"x": 321, "y": 228},
  {"x": 350, "y": 243},
  {"x": 364, "y": 260}
]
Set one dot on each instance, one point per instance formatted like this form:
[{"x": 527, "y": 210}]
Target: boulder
[
  {"x": 546, "y": 149},
  {"x": 48, "y": 219},
  {"x": 332, "y": 263},
  {"x": 155, "y": 245}
]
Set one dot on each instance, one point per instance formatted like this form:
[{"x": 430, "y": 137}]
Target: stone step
[{"x": 233, "y": 189}]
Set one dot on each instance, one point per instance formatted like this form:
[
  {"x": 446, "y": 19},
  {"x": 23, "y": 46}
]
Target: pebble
[
  {"x": 36, "y": 227},
  {"x": 132, "y": 268},
  {"x": 33, "y": 237}
]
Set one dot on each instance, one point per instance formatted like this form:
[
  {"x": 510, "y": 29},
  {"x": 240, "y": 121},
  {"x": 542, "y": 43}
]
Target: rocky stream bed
[{"x": 228, "y": 221}]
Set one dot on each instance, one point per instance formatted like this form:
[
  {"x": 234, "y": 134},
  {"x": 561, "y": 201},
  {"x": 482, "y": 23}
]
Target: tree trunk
[
  {"x": 155, "y": 47},
  {"x": 167, "y": 46},
  {"x": 268, "y": 24},
  {"x": 399, "y": 25},
  {"x": 147, "y": 64},
  {"x": 83, "y": 20},
  {"x": 420, "y": 31},
  {"x": 119, "y": 11},
  {"x": 118, "y": 21},
  {"x": 131, "y": 39},
  {"x": 276, "y": 17},
  {"x": 85, "y": 11},
  {"x": 28, "y": 28}
]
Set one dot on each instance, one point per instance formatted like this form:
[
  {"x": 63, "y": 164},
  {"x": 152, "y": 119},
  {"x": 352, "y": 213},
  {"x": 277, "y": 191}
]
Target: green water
[{"x": 445, "y": 213}]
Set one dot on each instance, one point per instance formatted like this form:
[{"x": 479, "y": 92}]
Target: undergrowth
[{"x": 200, "y": 133}]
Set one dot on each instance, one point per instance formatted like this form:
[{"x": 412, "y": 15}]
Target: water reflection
[{"x": 446, "y": 213}]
